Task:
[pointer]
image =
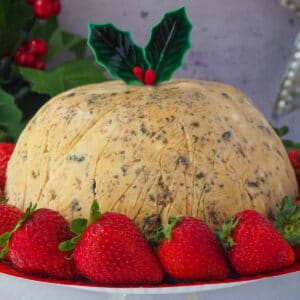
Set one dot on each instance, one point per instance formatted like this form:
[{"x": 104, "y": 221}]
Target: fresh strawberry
[
  {"x": 190, "y": 251},
  {"x": 294, "y": 156},
  {"x": 287, "y": 221},
  {"x": 113, "y": 251},
  {"x": 254, "y": 245},
  {"x": 6, "y": 150},
  {"x": 33, "y": 246},
  {"x": 9, "y": 217}
]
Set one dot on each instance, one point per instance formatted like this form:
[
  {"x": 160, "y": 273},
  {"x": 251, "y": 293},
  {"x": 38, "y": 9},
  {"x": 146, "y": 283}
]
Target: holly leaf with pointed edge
[
  {"x": 116, "y": 51},
  {"x": 66, "y": 76},
  {"x": 10, "y": 116},
  {"x": 169, "y": 41}
]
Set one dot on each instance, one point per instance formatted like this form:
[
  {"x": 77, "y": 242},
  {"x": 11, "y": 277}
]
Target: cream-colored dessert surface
[{"x": 184, "y": 147}]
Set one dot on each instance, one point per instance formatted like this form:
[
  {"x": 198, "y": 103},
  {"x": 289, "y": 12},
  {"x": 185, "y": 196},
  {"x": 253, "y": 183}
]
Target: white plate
[{"x": 277, "y": 286}]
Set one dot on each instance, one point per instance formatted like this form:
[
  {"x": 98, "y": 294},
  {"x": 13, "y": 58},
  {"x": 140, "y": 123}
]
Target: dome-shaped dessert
[{"x": 183, "y": 147}]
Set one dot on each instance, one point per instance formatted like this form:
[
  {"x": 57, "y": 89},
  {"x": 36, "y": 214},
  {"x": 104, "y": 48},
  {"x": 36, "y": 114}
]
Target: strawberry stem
[
  {"x": 287, "y": 221},
  {"x": 224, "y": 235},
  {"x": 78, "y": 226},
  {"x": 165, "y": 232},
  {"x": 95, "y": 213}
]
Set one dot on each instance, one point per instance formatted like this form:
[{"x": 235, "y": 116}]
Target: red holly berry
[
  {"x": 39, "y": 64},
  {"x": 25, "y": 59},
  {"x": 254, "y": 245},
  {"x": 45, "y": 9},
  {"x": 6, "y": 150},
  {"x": 37, "y": 46},
  {"x": 150, "y": 77},
  {"x": 33, "y": 248},
  {"x": 138, "y": 73},
  {"x": 113, "y": 251},
  {"x": 190, "y": 251}
]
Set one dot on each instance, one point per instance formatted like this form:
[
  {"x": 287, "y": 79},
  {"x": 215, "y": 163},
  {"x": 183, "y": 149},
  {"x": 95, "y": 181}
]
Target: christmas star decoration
[{"x": 288, "y": 98}]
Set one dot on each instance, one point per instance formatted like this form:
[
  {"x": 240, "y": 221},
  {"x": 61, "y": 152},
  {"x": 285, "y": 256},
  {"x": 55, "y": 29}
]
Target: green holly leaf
[
  {"x": 10, "y": 115},
  {"x": 66, "y": 76},
  {"x": 13, "y": 17},
  {"x": 168, "y": 44},
  {"x": 116, "y": 51}
]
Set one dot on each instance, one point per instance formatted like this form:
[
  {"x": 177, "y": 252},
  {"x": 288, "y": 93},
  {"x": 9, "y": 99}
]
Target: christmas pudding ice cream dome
[{"x": 184, "y": 147}]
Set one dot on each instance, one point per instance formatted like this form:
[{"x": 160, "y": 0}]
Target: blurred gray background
[{"x": 240, "y": 42}]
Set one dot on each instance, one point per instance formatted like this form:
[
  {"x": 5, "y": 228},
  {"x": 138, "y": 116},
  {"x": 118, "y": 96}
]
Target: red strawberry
[
  {"x": 6, "y": 150},
  {"x": 294, "y": 157},
  {"x": 287, "y": 221},
  {"x": 113, "y": 251},
  {"x": 9, "y": 217},
  {"x": 190, "y": 251},
  {"x": 33, "y": 248},
  {"x": 254, "y": 245}
]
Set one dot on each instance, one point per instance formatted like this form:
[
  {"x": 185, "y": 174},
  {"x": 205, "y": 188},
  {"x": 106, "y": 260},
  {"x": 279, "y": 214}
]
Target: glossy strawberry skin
[
  {"x": 193, "y": 253},
  {"x": 9, "y": 216},
  {"x": 113, "y": 251},
  {"x": 33, "y": 248},
  {"x": 6, "y": 150},
  {"x": 258, "y": 246},
  {"x": 294, "y": 157}
]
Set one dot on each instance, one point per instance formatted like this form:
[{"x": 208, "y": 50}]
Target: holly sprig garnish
[{"x": 162, "y": 56}]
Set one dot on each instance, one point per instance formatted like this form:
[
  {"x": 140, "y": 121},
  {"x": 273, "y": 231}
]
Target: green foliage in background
[{"x": 24, "y": 90}]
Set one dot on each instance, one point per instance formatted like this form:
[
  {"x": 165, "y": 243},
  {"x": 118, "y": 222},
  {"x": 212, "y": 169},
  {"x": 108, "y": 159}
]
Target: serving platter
[{"x": 284, "y": 284}]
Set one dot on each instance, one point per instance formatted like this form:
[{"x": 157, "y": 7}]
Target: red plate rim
[{"x": 9, "y": 270}]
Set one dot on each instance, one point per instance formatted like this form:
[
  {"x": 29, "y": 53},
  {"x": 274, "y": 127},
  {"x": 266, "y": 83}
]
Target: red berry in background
[
  {"x": 25, "y": 59},
  {"x": 44, "y": 9},
  {"x": 6, "y": 150},
  {"x": 39, "y": 64},
  {"x": 37, "y": 47},
  {"x": 150, "y": 77}
]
